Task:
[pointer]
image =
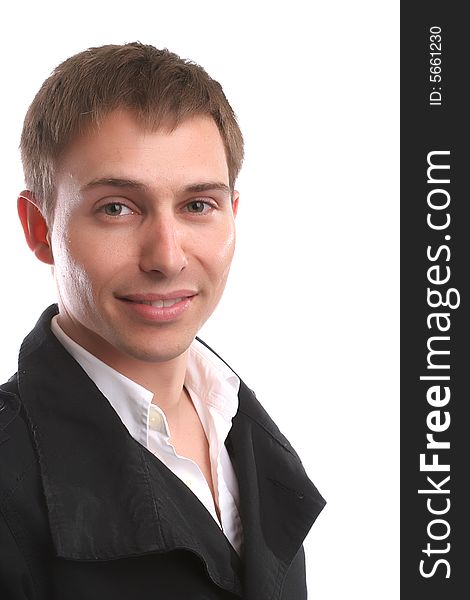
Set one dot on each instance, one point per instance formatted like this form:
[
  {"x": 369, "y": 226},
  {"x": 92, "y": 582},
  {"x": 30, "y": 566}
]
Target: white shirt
[{"x": 213, "y": 388}]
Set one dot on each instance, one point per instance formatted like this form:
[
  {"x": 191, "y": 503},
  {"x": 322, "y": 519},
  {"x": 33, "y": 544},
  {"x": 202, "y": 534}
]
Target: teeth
[{"x": 162, "y": 303}]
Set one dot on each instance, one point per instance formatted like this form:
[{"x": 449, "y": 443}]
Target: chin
[
  {"x": 156, "y": 357},
  {"x": 160, "y": 351}
]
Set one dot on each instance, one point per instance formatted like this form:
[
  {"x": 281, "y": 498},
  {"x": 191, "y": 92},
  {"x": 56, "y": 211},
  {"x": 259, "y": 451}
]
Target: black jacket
[{"x": 88, "y": 513}]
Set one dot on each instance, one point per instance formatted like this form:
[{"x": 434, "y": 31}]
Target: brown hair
[{"x": 157, "y": 85}]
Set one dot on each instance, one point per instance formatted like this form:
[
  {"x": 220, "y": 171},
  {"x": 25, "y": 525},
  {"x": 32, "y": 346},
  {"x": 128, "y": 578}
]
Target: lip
[
  {"x": 154, "y": 297},
  {"x": 137, "y": 305}
]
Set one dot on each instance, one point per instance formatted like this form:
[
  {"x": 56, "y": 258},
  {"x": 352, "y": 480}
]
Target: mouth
[
  {"x": 159, "y": 307},
  {"x": 157, "y": 303},
  {"x": 158, "y": 300}
]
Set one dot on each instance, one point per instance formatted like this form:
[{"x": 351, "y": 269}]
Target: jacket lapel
[
  {"x": 107, "y": 496},
  {"x": 279, "y": 503}
]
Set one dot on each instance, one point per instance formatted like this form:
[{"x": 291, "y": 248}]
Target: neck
[{"x": 164, "y": 379}]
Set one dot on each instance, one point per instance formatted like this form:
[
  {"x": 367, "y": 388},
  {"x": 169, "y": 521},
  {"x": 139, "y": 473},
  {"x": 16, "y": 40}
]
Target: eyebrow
[
  {"x": 114, "y": 182},
  {"x": 207, "y": 187},
  {"x": 141, "y": 187}
]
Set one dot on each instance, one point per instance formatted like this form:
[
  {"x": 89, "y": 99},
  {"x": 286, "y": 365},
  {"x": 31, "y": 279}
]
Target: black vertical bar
[{"x": 435, "y": 258}]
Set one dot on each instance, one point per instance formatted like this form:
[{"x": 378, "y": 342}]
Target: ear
[
  {"x": 35, "y": 227},
  {"x": 235, "y": 198}
]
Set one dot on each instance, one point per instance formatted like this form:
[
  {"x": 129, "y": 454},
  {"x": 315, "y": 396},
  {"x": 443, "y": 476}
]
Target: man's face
[{"x": 143, "y": 236}]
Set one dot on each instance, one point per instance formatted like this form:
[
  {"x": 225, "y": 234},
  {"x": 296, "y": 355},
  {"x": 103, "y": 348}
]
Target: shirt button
[{"x": 155, "y": 419}]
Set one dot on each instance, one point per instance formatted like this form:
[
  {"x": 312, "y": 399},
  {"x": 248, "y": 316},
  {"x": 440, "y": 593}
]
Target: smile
[
  {"x": 161, "y": 303},
  {"x": 157, "y": 308}
]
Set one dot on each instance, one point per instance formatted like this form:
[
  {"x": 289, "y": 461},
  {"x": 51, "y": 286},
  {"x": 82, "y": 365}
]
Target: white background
[{"x": 310, "y": 315}]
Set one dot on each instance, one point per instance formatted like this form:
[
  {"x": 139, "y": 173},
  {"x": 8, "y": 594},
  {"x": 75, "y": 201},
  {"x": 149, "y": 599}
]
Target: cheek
[
  {"x": 221, "y": 253},
  {"x": 76, "y": 269}
]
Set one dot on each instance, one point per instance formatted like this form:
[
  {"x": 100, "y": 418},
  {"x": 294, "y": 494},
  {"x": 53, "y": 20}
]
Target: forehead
[{"x": 122, "y": 146}]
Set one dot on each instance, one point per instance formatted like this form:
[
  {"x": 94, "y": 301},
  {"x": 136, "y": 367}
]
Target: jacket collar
[
  {"x": 151, "y": 509},
  {"x": 279, "y": 504}
]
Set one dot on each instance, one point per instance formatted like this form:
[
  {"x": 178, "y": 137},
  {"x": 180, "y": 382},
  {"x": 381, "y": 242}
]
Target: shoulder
[
  {"x": 22, "y": 504},
  {"x": 16, "y": 449},
  {"x": 19, "y": 472},
  {"x": 23, "y": 513}
]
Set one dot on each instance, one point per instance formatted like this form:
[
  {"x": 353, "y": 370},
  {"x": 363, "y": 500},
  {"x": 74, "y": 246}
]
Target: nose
[{"x": 162, "y": 248}]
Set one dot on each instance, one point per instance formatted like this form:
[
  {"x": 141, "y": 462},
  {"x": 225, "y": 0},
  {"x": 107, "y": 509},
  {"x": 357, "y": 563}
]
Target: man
[{"x": 134, "y": 462}]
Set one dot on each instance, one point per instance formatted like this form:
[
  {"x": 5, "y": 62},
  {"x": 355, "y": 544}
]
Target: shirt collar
[{"x": 210, "y": 380}]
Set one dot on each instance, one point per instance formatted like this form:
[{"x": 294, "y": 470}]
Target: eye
[
  {"x": 116, "y": 209},
  {"x": 199, "y": 207}
]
